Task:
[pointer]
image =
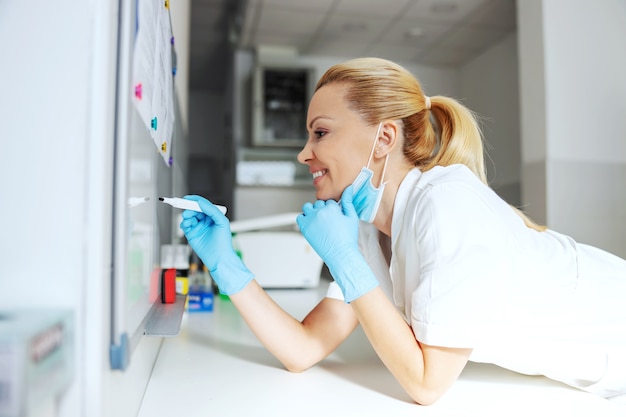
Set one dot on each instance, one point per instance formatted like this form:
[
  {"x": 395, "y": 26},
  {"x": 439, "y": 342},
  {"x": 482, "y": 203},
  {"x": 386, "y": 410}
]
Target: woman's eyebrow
[{"x": 322, "y": 116}]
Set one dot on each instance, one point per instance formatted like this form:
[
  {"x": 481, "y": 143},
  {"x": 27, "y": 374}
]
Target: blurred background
[{"x": 240, "y": 41}]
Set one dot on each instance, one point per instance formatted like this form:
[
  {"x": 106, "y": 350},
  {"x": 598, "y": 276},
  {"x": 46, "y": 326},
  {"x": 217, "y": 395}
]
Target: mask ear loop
[
  {"x": 382, "y": 177},
  {"x": 369, "y": 161}
]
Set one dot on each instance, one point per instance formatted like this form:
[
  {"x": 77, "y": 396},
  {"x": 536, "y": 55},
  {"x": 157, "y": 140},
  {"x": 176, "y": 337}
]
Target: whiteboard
[{"x": 141, "y": 225}]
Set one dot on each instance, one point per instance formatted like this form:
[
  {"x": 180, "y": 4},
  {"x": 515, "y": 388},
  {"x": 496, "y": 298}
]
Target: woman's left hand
[{"x": 333, "y": 230}]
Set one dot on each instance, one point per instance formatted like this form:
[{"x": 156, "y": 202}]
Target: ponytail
[{"x": 460, "y": 139}]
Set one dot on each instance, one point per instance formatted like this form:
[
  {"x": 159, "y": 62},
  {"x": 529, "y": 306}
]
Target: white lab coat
[{"x": 465, "y": 271}]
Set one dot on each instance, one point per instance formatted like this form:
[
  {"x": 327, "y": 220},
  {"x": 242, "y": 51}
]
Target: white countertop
[{"x": 216, "y": 367}]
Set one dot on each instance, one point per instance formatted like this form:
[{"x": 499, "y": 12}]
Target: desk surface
[{"x": 216, "y": 367}]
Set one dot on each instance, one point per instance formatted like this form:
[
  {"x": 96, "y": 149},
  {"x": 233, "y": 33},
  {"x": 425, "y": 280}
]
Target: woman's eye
[{"x": 318, "y": 133}]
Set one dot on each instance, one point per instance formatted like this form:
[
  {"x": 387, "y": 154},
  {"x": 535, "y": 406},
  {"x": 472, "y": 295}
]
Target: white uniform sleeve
[{"x": 334, "y": 291}]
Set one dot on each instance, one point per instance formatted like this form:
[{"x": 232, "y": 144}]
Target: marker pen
[{"x": 184, "y": 204}]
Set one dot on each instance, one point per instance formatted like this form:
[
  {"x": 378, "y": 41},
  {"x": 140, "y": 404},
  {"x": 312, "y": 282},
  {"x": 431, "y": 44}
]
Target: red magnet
[{"x": 168, "y": 286}]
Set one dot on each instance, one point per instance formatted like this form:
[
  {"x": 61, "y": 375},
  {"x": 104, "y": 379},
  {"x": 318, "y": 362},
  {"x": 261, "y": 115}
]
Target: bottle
[{"x": 195, "y": 278}]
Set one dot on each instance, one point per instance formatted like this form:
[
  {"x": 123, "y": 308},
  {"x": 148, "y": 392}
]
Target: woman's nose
[{"x": 305, "y": 154}]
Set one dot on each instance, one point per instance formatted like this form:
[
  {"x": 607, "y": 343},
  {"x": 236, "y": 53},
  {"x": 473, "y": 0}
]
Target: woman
[{"x": 434, "y": 266}]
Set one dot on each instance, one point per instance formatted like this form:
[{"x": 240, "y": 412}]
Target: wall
[
  {"x": 573, "y": 102},
  {"x": 490, "y": 87}
]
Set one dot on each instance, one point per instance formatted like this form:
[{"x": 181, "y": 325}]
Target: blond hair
[{"x": 378, "y": 89}]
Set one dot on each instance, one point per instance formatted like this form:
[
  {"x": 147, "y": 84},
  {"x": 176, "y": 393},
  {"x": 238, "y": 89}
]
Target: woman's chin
[{"x": 327, "y": 196}]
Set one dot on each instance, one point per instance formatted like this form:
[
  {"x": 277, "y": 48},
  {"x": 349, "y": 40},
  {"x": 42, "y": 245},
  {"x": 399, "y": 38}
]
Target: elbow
[
  {"x": 294, "y": 368},
  {"x": 297, "y": 366},
  {"x": 299, "y": 360},
  {"x": 425, "y": 400},
  {"x": 424, "y": 396}
]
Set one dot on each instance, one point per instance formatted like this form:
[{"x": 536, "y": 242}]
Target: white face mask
[{"x": 366, "y": 197}]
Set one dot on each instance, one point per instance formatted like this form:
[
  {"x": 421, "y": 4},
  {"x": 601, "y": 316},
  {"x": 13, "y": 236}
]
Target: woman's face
[{"x": 338, "y": 145}]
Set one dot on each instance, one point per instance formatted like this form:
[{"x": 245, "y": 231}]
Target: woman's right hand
[{"x": 208, "y": 233}]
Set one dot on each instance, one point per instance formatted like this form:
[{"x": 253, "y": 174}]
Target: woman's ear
[{"x": 387, "y": 138}]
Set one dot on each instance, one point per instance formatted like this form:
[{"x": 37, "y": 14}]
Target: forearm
[
  {"x": 425, "y": 372},
  {"x": 297, "y": 345},
  {"x": 392, "y": 339}
]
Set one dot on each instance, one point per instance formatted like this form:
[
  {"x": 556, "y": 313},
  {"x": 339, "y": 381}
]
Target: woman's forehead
[
  {"x": 328, "y": 100},
  {"x": 330, "y": 92}
]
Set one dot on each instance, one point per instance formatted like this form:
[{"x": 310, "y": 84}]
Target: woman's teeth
[{"x": 318, "y": 174}]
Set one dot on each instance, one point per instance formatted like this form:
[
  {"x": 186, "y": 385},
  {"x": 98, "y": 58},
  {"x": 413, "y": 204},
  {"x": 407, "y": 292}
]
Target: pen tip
[{"x": 161, "y": 198}]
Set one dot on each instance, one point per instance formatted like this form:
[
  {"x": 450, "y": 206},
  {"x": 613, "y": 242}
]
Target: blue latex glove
[
  {"x": 333, "y": 231},
  {"x": 208, "y": 234}
]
